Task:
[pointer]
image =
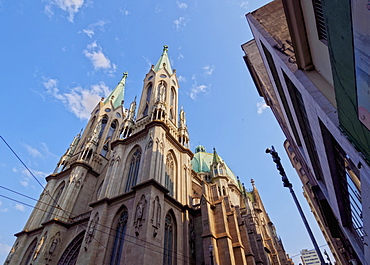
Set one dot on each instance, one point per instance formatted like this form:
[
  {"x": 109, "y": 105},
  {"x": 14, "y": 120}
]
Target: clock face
[{"x": 107, "y": 110}]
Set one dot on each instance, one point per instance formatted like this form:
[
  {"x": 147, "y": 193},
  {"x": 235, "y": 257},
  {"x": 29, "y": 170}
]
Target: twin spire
[
  {"x": 117, "y": 95},
  {"x": 164, "y": 61}
]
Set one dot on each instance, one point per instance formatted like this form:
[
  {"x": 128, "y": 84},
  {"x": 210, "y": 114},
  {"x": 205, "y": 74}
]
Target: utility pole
[{"x": 287, "y": 184}]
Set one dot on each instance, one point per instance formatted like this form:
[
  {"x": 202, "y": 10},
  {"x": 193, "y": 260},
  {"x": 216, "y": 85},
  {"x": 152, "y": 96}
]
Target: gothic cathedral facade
[{"x": 129, "y": 191}]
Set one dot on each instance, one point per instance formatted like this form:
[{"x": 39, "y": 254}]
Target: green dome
[{"x": 202, "y": 161}]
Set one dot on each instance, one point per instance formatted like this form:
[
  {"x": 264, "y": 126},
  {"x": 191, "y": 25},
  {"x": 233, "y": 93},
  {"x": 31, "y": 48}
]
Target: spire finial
[
  {"x": 164, "y": 61},
  {"x": 117, "y": 95},
  {"x": 252, "y": 181}
]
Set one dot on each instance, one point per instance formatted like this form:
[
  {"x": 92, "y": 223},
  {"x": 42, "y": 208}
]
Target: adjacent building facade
[
  {"x": 309, "y": 257},
  {"x": 308, "y": 60},
  {"x": 129, "y": 191}
]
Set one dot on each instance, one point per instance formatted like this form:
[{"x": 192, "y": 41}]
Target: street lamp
[
  {"x": 287, "y": 184},
  {"x": 211, "y": 253}
]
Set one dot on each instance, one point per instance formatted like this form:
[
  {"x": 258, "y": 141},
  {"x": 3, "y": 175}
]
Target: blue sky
[{"x": 59, "y": 57}]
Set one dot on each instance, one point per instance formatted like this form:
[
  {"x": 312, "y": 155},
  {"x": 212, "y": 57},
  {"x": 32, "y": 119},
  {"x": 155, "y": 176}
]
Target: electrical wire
[
  {"x": 28, "y": 197},
  {"x": 11, "y": 149}
]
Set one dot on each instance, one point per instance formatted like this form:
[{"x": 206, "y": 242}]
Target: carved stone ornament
[
  {"x": 38, "y": 248},
  {"x": 156, "y": 216},
  {"x": 53, "y": 244},
  {"x": 11, "y": 253},
  {"x": 90, "y": 233},
  {"x": 139, "y": 214}
]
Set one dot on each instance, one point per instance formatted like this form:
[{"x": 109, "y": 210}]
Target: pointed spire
[
  {"x": 117, "y": 94},
  {"x": 164, "y": 61},
  {"x": 216, "y": 158}
]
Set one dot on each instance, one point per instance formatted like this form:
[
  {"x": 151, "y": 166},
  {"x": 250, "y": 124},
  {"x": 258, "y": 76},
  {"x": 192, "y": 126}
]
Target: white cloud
[
  {"x": 208, "y": 70},
  {"x": 244, "y": 4},
  {"x": 4, "y": 249},
  {"x": 90, "y": 30},
  {"x": 181, "y": 78},
  {"x": 49, "y": 11},
  {"x": 181, "y": 56},
  {"x": 196, "y": 90},
  {"x": 25, "y": 173},
  {"x": 24, "y": 183},
  {"x": 180, "y": 22},
  {"x": 148, "y": 61},
  {"x": 20, "y": 207},
  {"x": 261, "y": 106},
  {"x": 99, "y": 60},
  {"x": 69, "y": 6},
  {"x": 33, "y": 151},
  {"x": 124, "y": 11},
  {"x": 182, "y": 5},
  {"x": 3, "y": 210},
  {"x": 79, "y": 101}
]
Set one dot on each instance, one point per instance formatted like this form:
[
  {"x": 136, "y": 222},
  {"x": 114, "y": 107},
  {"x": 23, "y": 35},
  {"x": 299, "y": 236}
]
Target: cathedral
[{"x": 130, "y": 191}]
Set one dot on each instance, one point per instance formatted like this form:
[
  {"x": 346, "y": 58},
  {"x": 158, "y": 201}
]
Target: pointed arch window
[
  {"x": 112, "y": 129},
  {"x": 133, "y": 170},
  {"x": 103, "y": 124},
  {"x": 172, "y": 103},
  {"x": 149, "y": 92},
  {"x": 54, "y": 201},
  {"x": 29, "y": 252},
  {"x": 169, "y": 251},
  {"x": 70, "y": 255},
  {"x": 108, "y": 139},
  {"x": 170, "y": 173},
  {"x": 119, "y": 238},
  {"x": 145, "y": 113}
]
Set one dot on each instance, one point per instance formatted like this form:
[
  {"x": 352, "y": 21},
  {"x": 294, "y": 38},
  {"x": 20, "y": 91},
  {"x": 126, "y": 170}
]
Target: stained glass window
[
  {"x": 133, "y": 170},
  {"x": 119, "y": 238}
]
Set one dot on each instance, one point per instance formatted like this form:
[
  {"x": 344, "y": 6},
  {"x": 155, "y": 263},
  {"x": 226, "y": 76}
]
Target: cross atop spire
[
  {"x": 164, "y": 61},
  {"x": 117, "y": 94}
]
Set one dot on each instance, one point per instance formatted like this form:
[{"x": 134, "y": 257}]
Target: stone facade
[{"x": 129, "y": 191}]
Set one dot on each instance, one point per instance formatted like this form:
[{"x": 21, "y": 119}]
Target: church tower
[{"x": 129, "y": 191}]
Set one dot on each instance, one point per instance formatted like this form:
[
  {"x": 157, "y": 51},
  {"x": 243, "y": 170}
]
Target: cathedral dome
[{"x": 202, "y": 161}]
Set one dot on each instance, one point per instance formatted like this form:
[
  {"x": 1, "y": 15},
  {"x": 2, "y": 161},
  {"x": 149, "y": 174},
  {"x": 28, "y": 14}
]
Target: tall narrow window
[
  {"x": 119, "y": 238},
  {"x": 54, "y": 201},
  {"x": 103, "y": 124},
  {"x": 169, "y": 253},
  {"x": 133, "y": 170},
  {"x": 172, "y": 104},
  {"x": 108, "y": 139},
  {"x": 70, "y": 255},
  {"x": 148, "y": 97},
  {"x": 320, "y": 20},
  {"x": 303, "y": 122},
  {"x": 281, "y": 93},
  {"x": 149, "y": 92},
  {"x": 347, "y": 184},
  {"x": 170, "y": 173},
  {"x": 29, "y": 252}
]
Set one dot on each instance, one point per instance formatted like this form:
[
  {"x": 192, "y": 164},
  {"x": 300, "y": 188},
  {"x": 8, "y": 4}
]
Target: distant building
[
  {"x": 129, "y": 191},
  {"x": 310, "y": 62},
  {"x": 309, "y": 257}
]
